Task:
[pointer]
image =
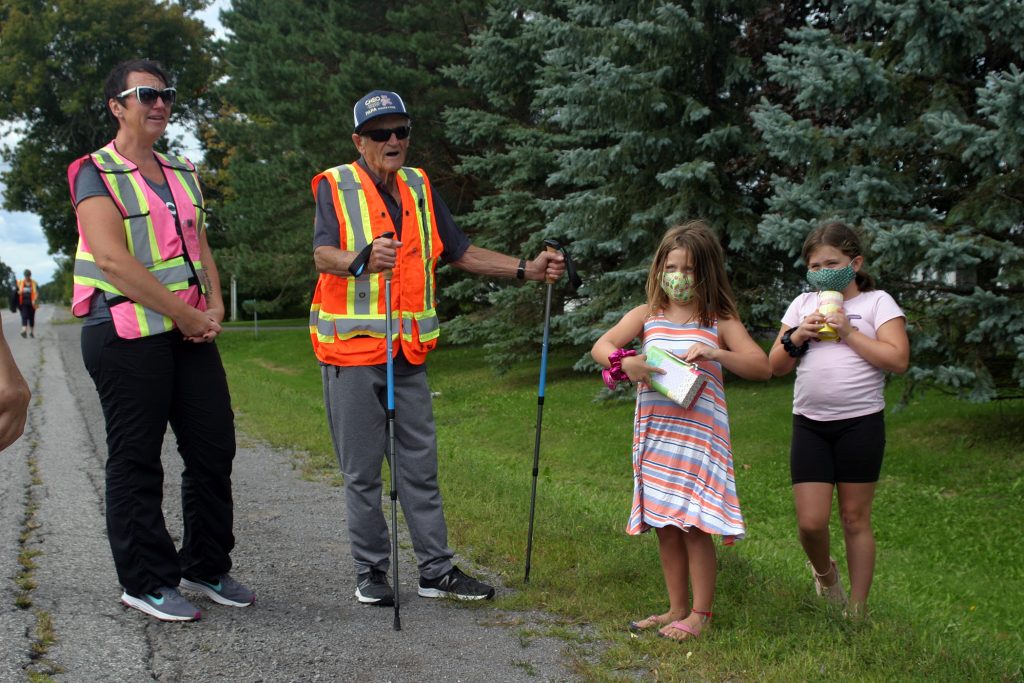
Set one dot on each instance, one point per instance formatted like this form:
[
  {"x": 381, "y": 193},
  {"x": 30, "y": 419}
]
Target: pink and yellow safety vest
[
  {"x": 165, "y": 243},
  {"x": 347, "y": 318}
]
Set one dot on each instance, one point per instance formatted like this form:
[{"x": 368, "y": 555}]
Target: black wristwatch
[
  {"x": 791, "y": 348},
  {"x": 521, "y": 270}
]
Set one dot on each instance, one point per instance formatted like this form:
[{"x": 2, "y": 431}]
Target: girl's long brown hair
[
  {"x": 712, "y": 291},
  {"x": 845, "y": 239}
]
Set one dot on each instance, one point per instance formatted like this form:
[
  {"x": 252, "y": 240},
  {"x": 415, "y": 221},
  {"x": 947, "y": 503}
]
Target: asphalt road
[{"x": 291, "y": 549}]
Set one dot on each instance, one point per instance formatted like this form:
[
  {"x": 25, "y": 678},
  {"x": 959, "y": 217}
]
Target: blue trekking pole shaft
[
  {"x": 392, "y": 455},
  {"x": 536, "y": 440},
  {"x": 540, "y": 415}
]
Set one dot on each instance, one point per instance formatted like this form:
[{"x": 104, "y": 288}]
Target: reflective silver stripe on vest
[
  {"x": 133, "y": 198},
  {"x": 414, "y": 180},
  {"x": 155, "y": 322},
  {"x": 173, "y": 274},
  {"x": 351, "y": 190},
  {"x": 428, "y": 324},
  {"x": 350, "y": 327}
]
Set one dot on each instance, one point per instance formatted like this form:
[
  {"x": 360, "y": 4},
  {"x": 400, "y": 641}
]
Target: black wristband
[
  {"x": 521, "y": 270},
  {"x": 791, "y": 348}
]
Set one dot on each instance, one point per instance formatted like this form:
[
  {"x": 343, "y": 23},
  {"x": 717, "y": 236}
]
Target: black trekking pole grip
[{"x": 358, "y": 265}]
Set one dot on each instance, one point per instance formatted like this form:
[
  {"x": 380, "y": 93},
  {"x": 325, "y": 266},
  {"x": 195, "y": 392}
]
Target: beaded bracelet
[
  {"x": 615, "y": 374},
  {"x": 791, "y": 348}
]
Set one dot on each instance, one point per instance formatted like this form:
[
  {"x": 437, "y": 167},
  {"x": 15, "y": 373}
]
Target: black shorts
[{"x": 838, "y": 451}]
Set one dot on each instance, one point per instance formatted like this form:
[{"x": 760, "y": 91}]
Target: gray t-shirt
[{"x": 89, "y": 184}]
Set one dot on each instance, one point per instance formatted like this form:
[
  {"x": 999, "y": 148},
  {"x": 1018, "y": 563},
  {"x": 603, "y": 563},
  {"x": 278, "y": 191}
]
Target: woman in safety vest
[
  {"x": 27, "y": 304},
  {"x": 151, "y": 316}
]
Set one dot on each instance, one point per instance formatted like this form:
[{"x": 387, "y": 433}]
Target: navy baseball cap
[{"x": 377, "y": 103}]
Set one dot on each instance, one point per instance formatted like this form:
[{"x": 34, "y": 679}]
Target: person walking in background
[
  {"x": 838, "y": 406},
  {"x": 151, "y": 317},
  {"x": 14, "y": 396},
  {"x": 684, "y": 484},
  {"x": 28, "y": 296},
  {"x": 390, "y": 213}
]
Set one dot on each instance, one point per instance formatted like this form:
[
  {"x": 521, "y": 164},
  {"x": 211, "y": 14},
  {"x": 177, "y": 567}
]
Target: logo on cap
[{"x": 376, "y": 103}]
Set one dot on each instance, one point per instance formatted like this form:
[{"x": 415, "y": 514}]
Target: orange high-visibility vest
[
  {"x": 347, "y": 318},
  {"x": 21, "y": 291},
  {"x": 166, "y": 245}
]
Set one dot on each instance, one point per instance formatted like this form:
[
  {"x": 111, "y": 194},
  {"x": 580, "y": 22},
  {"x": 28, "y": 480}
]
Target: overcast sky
[{"x": 22, "y": 244}]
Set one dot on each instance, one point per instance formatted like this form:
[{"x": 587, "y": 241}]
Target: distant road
[{"x": 291, "y": 549}]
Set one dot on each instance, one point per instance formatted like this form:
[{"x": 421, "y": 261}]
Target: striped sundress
[{"x": 682, "y": 459}]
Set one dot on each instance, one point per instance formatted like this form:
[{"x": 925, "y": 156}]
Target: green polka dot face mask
[{"x": 835, "y": 279}]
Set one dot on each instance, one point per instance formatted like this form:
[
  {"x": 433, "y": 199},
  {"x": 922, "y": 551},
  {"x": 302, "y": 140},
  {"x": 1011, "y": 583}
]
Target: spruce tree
[
  {"x": 606, "y": 123},
  {"x": 294, "y": 70},
  {"x": 904, "y": 119}
]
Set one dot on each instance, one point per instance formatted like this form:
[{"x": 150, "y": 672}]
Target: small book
[{"x": 682, "y": 382}]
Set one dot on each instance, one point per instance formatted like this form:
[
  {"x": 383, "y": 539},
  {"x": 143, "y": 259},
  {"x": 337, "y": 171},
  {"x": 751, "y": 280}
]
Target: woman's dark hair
[
  {"x": 117, "y": 79},
  {"x": 845, "y": 239}
]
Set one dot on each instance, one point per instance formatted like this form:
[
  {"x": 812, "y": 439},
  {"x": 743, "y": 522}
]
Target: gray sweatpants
[{"x": 356, "y": 402}]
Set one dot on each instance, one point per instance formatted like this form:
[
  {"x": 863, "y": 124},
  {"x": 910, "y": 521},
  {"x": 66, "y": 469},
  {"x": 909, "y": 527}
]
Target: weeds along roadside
[{"x": 42, "y": 636}]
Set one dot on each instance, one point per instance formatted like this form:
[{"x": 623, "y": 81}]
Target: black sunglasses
[
  {"x": 147, "y": 95},
  {"x": 384, "y": 134}
]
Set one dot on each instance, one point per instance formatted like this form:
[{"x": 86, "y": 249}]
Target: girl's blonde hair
[{"x": 712, "y": 291}]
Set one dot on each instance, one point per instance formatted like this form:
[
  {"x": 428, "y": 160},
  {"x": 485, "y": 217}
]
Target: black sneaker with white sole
[
  {"x": 372, "y": 588},
  {"x": 455, "y": 584}
]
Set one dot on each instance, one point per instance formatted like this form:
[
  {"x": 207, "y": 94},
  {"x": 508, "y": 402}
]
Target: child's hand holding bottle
[{"x": 829, "y": 302}]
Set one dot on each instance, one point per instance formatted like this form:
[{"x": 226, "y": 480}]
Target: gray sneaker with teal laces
[
  {"x": 223, "y": 589},
  {"x": 166, "y": 604}
]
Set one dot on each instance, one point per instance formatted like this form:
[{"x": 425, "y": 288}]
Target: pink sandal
[{"x": 681, "y": 625}]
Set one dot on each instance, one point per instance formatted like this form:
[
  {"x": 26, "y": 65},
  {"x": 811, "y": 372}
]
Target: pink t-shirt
[{"x": 832, "y": 381}]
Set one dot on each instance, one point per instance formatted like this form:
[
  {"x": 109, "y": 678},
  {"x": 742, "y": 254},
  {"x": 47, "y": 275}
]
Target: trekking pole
[
  {"x": 392, "y": 454},
  {"x": 551, "y": 245},
  {"x": 358, "y": 265}
]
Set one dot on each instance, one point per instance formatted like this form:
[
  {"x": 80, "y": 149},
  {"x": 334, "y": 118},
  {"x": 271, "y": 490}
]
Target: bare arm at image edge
[{"x": 14, "y": 397}]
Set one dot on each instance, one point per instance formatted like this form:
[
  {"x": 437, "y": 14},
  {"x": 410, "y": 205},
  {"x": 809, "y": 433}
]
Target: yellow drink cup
[{"x": 829, "y": 302}]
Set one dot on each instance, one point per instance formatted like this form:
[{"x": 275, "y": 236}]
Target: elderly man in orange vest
[
  {"x": 380, "y": 206},
  {"x": 28, "y": 297}
]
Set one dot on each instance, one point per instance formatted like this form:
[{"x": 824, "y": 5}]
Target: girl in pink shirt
[{"x": 838, "y": 407}]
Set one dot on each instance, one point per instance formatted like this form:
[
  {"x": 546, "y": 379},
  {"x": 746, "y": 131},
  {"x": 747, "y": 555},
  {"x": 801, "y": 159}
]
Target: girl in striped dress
[{"x": 684, "y": 487}]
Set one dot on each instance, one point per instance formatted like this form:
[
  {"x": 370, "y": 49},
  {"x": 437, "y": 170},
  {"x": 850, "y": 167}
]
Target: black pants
[
  {"x": 28, "y": 314},
  {"x": 144, "y": 385}
]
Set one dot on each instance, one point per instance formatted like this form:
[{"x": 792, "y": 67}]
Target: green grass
[{"x": 947, "y": 601}]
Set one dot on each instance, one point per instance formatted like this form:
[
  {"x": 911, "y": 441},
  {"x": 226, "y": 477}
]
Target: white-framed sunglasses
[{"x": 147, "y": 95}]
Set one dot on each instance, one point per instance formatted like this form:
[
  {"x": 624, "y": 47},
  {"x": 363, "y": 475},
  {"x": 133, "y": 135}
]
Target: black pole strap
[
  {"x": 575, "y": 282},
  {"x": 358, "y": 264}
]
